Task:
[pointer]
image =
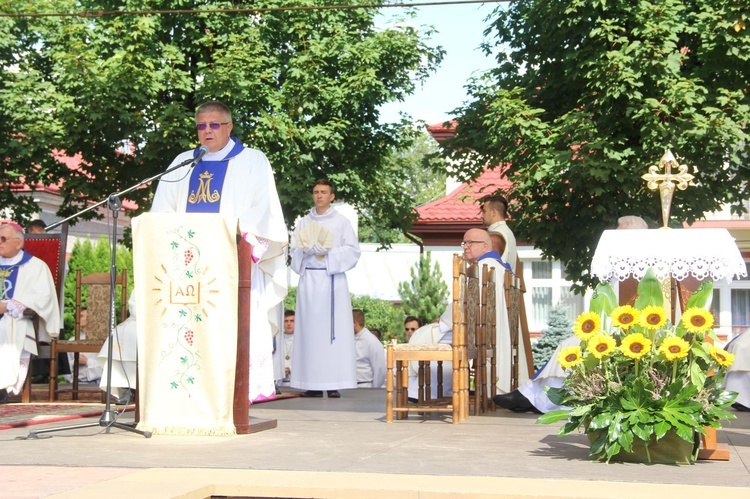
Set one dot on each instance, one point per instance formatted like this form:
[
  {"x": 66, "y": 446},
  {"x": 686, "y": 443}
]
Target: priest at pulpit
[{"x": 237, "y": 181}]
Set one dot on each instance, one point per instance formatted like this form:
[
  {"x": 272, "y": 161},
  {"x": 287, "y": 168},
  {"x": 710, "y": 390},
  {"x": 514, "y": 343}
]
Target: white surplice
[
  {"x": 249, "y": 194},
  {"x": 370, "y": 360},
  {"x": 324, "y": 356},
  {"x": 738, "y": 374},
  {"x": 551, "y": 374},
  {"x": 35, "y": 289},
  {"x": 510, "y": 254}
]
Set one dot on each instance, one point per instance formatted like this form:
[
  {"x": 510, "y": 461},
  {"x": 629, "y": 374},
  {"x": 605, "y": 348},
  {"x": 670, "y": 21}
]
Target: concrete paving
[{"x": 344, "y": 448}]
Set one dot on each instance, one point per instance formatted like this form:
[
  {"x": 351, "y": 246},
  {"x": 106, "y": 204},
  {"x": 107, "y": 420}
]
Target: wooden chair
[
  {"x": 97, "y": 327},
  {"x": 488, "y": 327},
  {"x": 466, "y": 315},
  {"x": 50, "y": 248},
  {"x": 513, "y": 299}
]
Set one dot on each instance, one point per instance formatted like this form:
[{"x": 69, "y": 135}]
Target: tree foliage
[
  {"x": 426, "y": 295},
  {"x": 305, "y": 87},
  {"x": 558, "y": 328},
  {"x": 420, "y": 172},
  {"x": 382, "y": 315},
  {"x": 587, "y": 94}
]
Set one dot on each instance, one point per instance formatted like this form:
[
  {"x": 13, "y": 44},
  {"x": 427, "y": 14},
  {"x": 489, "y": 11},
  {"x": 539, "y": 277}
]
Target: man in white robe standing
[
  {"x": 25, "y": 283},
  {"x": 324, "y": 247},
  {"x": 242, "y": 186},
  {"x": 494, "y": 211},
  {"x": 370, "y": 354}
]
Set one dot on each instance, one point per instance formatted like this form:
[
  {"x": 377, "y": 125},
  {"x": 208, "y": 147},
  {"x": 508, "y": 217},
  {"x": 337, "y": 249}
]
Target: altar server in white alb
[
  {"x": 324, "y": 247},
  {"x": 237, "y": 181},
  {"x": 370, "y": 354},
  {"x": 25, "y": 283}
]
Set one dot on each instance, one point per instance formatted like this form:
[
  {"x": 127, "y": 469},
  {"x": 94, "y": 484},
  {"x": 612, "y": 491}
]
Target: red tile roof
[{"x": 460, "y": 206}]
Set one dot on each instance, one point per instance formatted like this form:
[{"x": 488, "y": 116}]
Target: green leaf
[
  {"x": 660, "y": 429},
  {"x": 649, "y": 291},
  {"x": 552, "y": 416},
  {"x": 603, "y": 301},
  {"x": 702, "y": 296}
]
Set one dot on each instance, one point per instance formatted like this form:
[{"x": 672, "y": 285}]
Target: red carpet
[
  {"x": 281, "y": 396},
  {"x": 20, "y": 415}
]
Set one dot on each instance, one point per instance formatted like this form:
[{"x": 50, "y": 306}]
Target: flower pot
[{"x": 670, "y": 449}]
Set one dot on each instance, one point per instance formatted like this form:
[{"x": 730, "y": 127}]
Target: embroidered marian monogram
[
  {"x": 203, "y": 193},
  {"x": 4, "y": 274}
]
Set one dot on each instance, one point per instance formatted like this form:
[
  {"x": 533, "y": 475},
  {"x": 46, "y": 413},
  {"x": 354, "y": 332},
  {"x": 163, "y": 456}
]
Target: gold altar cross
[{"x": 667, "y": 181}]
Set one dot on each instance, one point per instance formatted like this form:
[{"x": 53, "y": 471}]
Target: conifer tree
[
  {"x": 559, "y": 328},
  {"x": 426, "y": 295}
]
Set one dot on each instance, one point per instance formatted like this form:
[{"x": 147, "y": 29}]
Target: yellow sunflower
[
  {"x": 652, "y": 317},
  {"x": 697, "y": 320},
  {"x": 635, "y": 346},
  {"x": 601, "y": 344},
  {"x": 721, "y": 356},
  {"x": 674, "y": 348},
  {"x": 624, "y": 317},
  {"x": 587, "y": 324},
  {"x": 569, "y": 356}
]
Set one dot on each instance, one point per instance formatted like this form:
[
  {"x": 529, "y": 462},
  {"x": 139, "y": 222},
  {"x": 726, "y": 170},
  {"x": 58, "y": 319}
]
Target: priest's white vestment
[
  {"x": 370, "y": 360},
  {"x": 249, "y": 194},
  {"x": 324, "y": 355},
  {"x": 431, "y": 334},
  {"x": 551, "y": 374},
  {"x": 510, "y": 254},
  {"x": 34, "y": 288},
  {"x": 738, "y": 374},
  {"x": 124, "y": 353}
]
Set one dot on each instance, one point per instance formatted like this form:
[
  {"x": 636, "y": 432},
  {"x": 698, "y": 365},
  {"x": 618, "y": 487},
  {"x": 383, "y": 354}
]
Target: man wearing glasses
[
  {"x": 237, "y": 181},
  {"x": 411, "y": 324},
  {"x": 25, "y": 283},
  {"x": 477, "y": 246}
]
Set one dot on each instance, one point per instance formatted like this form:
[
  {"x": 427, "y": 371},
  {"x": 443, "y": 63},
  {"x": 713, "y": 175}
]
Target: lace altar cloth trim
[{"x": 680, "y": 253}]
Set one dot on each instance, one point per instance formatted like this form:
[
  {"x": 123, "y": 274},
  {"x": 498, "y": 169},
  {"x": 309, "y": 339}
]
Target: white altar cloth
[{"x": 679, "y": 253}]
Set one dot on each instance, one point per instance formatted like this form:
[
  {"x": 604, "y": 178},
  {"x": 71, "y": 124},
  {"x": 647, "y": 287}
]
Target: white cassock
[
  {"x": 34, "y": 288},
  {"x": 278, "y": 348},
  {"x": 502, "y": 332},
  {"x": 432, "y": 334},
  {"x": 324, "y": 357},
  {"x": 738, "y": 374},
  {"x": 551, "y": 374},
  {"x": 249, "y": 194},
  {"x": 370, "y": 360},
  {"x": 124, "y": 353},
  {"x": 510, "y": 255}
]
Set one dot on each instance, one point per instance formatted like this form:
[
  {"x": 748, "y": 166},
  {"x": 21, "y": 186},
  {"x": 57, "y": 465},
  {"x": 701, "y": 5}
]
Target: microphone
[{"x": 202, "y": 150}]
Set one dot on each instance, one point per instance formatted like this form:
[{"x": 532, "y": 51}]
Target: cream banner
[{"x": 185, "y": 268}]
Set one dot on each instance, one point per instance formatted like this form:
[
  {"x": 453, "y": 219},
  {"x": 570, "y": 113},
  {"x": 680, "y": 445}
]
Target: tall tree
[
  {"x": 587, "y": 94},
  {"x": 305, "y": 87},
  {"x": 426, "y": 295},
  {"x": 419, "y": 172}
]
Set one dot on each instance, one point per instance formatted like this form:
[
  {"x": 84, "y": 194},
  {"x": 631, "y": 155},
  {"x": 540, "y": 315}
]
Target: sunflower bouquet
[{"x": 636, "y": 378}]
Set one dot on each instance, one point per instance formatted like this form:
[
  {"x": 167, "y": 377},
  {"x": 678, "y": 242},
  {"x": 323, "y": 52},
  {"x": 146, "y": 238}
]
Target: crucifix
[{"x": 667, "y": 181}]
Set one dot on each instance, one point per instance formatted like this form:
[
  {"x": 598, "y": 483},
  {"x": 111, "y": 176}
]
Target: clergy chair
[
  {"x": 51, "y": 249},
  {"x": 512, "y": 289},
  {"x": 97, "y": 325},
  {"x": 488, "y": 327},
  {"x": 463, "y": 348}
]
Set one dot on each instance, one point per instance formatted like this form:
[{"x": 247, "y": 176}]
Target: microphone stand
[{"x": 108, "y": 419}]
